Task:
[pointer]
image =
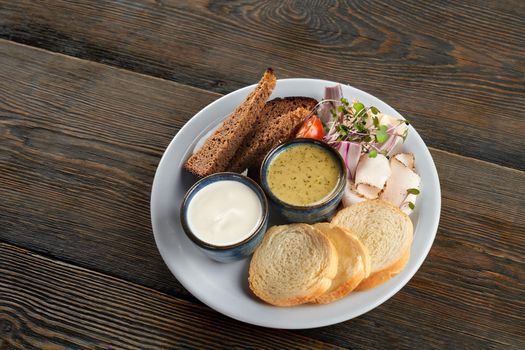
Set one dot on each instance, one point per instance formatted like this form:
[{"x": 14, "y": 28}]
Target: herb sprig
[{"x": 353, "y": 122}]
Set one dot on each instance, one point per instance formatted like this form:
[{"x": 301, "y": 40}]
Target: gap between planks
[
  {"x": 189, "y": 87},
  {"x": 151, "y": 292}
]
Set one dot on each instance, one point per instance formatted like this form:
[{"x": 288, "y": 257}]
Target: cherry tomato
[{"x": 312, "y": 128}]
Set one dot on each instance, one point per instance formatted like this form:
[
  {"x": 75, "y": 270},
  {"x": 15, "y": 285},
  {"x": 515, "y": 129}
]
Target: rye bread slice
[
  {"x": 276, "y": 122},
  {"x": 216, "y": 153}
]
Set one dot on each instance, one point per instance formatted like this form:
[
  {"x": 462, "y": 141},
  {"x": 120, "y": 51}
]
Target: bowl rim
[
  {"x": 338, "y": 189},
  {"x": 223, "y": 176}
]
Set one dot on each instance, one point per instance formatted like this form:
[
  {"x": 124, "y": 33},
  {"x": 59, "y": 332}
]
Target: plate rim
[{"x": 318, "y": 322}]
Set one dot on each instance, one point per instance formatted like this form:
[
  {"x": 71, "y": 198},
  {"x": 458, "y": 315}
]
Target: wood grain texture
[
  {"x": 45, "y": 304},
  {"x": 79, "y": 143},
  {"x": 456, "y": 69}
]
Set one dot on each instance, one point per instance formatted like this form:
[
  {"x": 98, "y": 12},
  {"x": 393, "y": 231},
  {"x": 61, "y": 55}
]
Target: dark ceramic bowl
[
  {"x": 240, "y": 249},
  {"x": 308, "y": 213}
]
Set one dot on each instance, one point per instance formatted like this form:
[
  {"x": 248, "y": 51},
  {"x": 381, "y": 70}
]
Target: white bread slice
[
  {"x": 293, "y": 265},
  {"x": 385, "y": 231},
  {"x": 353, "y": 262}
]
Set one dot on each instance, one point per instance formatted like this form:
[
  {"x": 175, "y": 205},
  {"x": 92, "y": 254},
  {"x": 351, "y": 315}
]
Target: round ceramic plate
[{"x": 224, "y": 287}]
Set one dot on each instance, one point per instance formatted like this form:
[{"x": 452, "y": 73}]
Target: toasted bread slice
[
  {"x": 353, "y": 262},
  {"x": 276, "y": 122},
  {"x": 254, "y": 150},
  {"x": 216, "y": 153},
  {"x": 279, "y": 106},
  {"x": 384, "y": 275},
  {"x": 385, "y": 231},
  {"x": 293, "y": 265}
]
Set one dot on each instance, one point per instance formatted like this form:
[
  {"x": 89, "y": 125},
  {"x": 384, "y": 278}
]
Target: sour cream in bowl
[{"x": 225, "y": 215}]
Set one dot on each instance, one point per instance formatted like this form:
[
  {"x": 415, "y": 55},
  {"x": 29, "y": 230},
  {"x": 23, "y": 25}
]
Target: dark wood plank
[
  {"x": 79, "y": 145},
  {"x": 456, "y": 69},
  {"x": 45, "y": 304},
  {"x": 75, "y": 140}
]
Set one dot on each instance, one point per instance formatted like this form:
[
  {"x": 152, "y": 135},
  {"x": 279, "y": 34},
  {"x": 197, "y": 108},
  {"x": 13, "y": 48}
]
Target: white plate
[{"x": 224, "y": 287}]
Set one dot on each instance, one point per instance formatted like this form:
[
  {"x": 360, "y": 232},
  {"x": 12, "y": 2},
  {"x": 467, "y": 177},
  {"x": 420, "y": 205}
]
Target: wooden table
[{"x": 92, "y": 92}]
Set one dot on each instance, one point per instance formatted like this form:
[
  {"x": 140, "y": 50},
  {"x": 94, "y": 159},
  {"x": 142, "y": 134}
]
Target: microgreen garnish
[
  {"x": 354, "y": 122},
  {"x": 405, "y": 134},
  {"x": 382, "y": 134},
  {"x": 358, "y": 106},
  {"x": 360, "y": 110},
  {"x": 413, "y": 191},
  {"x": 411, "y": 205},
  {"x": 360, "y": 126},
  {"x": 342, "y": 129}
]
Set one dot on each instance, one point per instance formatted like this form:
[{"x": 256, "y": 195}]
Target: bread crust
[
  {"x": 361, "y": 262},
  {"x": 274, "y": 124},
  {"x": 218, "y": 150},
  {"x": 384, "y": 274},
  {"x": 342, "y": 291},
  {"x": 253, "y": 151}
]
